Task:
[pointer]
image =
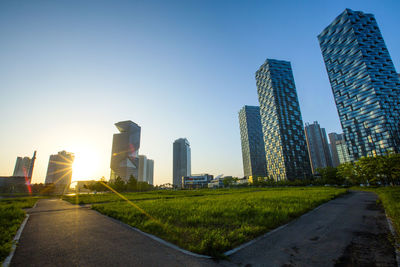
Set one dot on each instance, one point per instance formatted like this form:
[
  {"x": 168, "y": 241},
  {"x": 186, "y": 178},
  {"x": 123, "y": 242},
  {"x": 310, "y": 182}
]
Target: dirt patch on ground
[{"x": 372, "y": 247}]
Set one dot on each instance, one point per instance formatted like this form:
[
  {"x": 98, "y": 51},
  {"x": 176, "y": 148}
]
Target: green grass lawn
[
  {"x": 157, "y": 194},
  {"x": 11, "y": 217},
  {"x": 213, "y": 221}
]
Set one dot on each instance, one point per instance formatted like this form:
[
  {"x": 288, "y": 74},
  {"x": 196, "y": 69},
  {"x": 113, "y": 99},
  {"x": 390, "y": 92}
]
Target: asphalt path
[
  {"x": 351, "y": 230},
  {"x": 348, "y": 231},
  {"x": 60, "y": 234}
]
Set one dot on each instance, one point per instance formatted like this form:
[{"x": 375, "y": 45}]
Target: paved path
[
  {"x": 61, "y": 234},
  {"x": 347, "y": 231}
]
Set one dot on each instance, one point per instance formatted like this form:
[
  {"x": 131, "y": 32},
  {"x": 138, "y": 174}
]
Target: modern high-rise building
[
  {"x": 181, "y": 161},
  {"x": 364, "y": 82},
  {"x": 125, "y": 151},
  {"x": 343, "y": 154},
  {"x": 22, "y": 166},
  {"x": 317, "y": 144},
  {"x": 59, "y": 170},
  {"x": 251, "y": 136},
  {"x": 146, "y": 169},
  {"x": 285, "y": 144},
  {"x": 333, "y": 137},
  {"x": 150, "y": 171},
  {"x": 142, "y": 177}
]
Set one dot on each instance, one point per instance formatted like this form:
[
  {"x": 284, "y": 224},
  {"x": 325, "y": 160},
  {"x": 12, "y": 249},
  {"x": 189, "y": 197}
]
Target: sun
[{"x": 85, "y": 165}]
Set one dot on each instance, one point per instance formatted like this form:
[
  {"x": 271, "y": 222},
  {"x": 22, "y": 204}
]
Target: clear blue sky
[{"x": 70, "y": 69}]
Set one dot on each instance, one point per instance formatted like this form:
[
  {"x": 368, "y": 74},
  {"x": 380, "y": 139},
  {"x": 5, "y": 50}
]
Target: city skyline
[{"x": 74, "y": 105}]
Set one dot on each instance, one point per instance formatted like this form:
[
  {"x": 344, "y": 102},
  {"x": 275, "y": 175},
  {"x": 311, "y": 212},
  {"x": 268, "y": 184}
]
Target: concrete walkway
[
  {"x": 61, "y": 234},
  {"x": 348, "y": 231}
]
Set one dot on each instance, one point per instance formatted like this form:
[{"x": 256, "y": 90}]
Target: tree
[
  {"x": 348, "y": 172},
  {"x": 118, "y": 184},
  {"x": 330, "y": 175},
  {"x": 132, "y": 184}
]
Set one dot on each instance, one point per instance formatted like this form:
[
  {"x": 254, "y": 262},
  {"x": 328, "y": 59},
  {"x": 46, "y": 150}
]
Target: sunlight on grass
[{"x": 213, "y": 221}]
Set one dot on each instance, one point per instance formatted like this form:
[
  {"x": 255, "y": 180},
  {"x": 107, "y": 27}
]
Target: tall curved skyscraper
[
  {"x": 125, "y": 151},
  {"x": 364, "y": 82},
  {"x": 285, "y": 143}
]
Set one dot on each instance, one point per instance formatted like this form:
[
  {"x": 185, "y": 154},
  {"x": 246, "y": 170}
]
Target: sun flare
[{"x": 85, "y": 165}]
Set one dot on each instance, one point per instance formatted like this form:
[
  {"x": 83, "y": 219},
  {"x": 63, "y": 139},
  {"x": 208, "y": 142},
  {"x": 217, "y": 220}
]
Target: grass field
[
  {"x": 11, "y": 217},
  {"x": 158, "y": 194},
  {"x": 212, "y": 221}
]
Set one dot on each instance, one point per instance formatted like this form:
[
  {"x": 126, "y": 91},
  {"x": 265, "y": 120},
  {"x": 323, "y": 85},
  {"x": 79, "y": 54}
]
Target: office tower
[
  {"x": 150, "y": 171},
  {"x": 59, "y": 170},
  {"x": 341, "y": 148},
  {"x": 251, "y": 136},
  {"x": 22, "y": 166},
  {"x": 30, "y": 172},
  {"x": 333, "y": 138},
  {"x": 181, "y": 161},
  {"x": 364, "y": 83},
  {"x": 317, "y": 144},
  {"x": 285, "y": 145},
  {"x": 125, "y": 151},
  {"x": 142, "y": 177}
]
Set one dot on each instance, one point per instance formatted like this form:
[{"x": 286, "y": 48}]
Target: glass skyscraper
[
  {"x": 253, "y": 149},
  {"x": 125, "y": 151},
  {"x": 364, "y": 82},
  {"x": 317, "y": 144},
  {"x": 285, "y": 144},
  {"x": 181, "y": 161}
]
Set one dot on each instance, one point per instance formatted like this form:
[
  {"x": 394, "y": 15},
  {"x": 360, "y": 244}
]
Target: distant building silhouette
[
  {"x": 125, "y": 151},
  {"x": 364, "y": 82},
  {"x": 150, "y": 171},
  {"x": 285, "y": 144},
  {"x": 142, "y": 168},
  {"x": 59, "y": 170},
  {"x": 146, "y": 169},
  {"x": 317, "y": 144},
  {"x": 22, "y": 166},
  {"x": 181, "y": 161},
  {"x": 253, "y": 147}
]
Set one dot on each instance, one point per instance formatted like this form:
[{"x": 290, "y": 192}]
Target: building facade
[
  {"x": 59, "y": 170},
  {"x": 333, "y": 137},
  {"x": 285, "y": 144},
  {"x": 196, "y": 181},
  {"x": 142, "y": 177},
  {"x": 364, "y": 83},
  {"x": 343, "y": 154},
  {"x": 181, "y": 161},
  {"x": 251, "y": 136},
  {"x": 125, "y": 151},
  {"x": 150, "y": 171},
  {"x": 318, "y": 148},
  {"x": 22, "y": 165},
  {"x": 146, "y": 169}
]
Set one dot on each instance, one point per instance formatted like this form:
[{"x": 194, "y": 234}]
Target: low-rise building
[{"x": 196, "y": 181}]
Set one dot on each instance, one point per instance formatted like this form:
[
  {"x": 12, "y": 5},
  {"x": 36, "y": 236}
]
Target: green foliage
[
  {"x": 11, "y": 217},
  {"x": 330, "y": 175},
  {"x": 383, "y": 170},
  {"x": 214, "y": 221}
]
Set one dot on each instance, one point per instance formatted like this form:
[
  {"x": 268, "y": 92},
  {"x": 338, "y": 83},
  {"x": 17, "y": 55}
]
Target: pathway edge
[
  {"x": 7, "y": 261},
  {"x": 244, "y": 245}
]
